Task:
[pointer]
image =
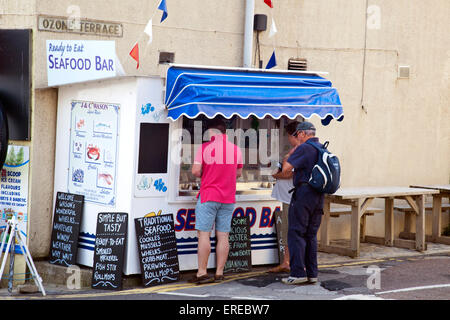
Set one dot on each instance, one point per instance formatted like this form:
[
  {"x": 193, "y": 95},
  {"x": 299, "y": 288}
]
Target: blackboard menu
[
  {"x": 110, "y": 242},
  {"x": 157, "y": 246},
  {"x": 240, "y": 254},
  {"x": 66, "y": 228},
  {"x": 282, "y": 229}
]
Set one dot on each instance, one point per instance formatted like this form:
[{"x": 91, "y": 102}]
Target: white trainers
[
  {"x": 294, "y": 280},
  {"x": 312, "y": 280}
]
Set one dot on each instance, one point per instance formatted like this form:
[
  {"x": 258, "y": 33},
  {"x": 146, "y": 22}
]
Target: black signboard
[
  {"x": 15, "y": 80},
  {"x": 66, "y": 228},
  {"x": 157, "y": 136},
  {"x": 110, "y": 242},
  {"x": 282, "y": 229},
  {"x": 240, "y": 254},
  {"x": 157, "y": 246}
]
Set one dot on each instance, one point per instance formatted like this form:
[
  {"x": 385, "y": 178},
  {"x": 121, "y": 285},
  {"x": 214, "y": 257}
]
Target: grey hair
[{"x": 311, "y": 133}]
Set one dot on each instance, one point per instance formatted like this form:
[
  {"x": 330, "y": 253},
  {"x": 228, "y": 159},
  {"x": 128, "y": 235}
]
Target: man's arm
[
  {"x": 238, "y": 172},
  {"x": 197, "y": 170},
  {"x": 286, "y": 172}
]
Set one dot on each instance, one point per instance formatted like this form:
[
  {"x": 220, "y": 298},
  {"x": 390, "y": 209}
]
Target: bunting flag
[
  {"x": 273, "y": 29},
  {"x": 269, "y": 3},
  {"x": 272, "y": 62},
  {"x": 148, "y": 30},
  {"x": 134, "y": 53},
  {"x": 163, "y": 7}
]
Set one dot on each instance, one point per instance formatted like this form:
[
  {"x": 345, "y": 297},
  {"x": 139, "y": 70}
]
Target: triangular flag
[
  {"x": 273, "y": 29},
  {"x": 269, "y": 3},
  {"x": 272, "y": 62},
  {"x": 148, "y": 30},
  {"x": 134, "y": 53},
  {"x": 162, "y": 6}
]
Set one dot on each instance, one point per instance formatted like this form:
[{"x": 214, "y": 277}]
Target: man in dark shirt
[{"x": 305, "y": 209}]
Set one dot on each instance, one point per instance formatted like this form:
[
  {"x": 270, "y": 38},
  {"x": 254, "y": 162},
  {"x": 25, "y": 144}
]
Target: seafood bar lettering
[
  {"x": 80, "y": 64},
  {"x": 185, "y": 218}
]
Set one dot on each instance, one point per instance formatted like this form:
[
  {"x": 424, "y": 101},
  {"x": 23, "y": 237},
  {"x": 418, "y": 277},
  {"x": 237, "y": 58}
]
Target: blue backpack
[{"x": 326, "y": 174}]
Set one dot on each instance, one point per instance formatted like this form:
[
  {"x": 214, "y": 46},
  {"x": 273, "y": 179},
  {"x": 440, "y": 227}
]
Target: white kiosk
[{"x": 127, "y": 145}]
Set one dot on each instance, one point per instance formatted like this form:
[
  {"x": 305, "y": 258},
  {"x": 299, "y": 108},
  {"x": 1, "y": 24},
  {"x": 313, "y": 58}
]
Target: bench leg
[
  {"x": 362, "y": 232},
  {"x": 408, "y": 224},
  {"x": 389, "y": 222},
  {"x": 420, "y": 224},
  {"x": 324, "y": 227},
  {"x": 437, "y": 209},
  {"x": 356, "y": 209}
]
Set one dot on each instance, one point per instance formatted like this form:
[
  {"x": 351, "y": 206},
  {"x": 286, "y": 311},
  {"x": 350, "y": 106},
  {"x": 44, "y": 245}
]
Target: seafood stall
[{"x": 127, "y": 144}]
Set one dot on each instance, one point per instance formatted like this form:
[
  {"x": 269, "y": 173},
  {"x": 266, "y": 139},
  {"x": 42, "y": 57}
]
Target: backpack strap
[{"x": 316, "y": 145}]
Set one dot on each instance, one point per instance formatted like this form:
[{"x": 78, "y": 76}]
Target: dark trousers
[{"x": 305, "y": 216}]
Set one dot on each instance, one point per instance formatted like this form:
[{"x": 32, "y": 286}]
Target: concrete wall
[
  {"x": 42, "y": 161},
  {"x": 400, "y": 137}
]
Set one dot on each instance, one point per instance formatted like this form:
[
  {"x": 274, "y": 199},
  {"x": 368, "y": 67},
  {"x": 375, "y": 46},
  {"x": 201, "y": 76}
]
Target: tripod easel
[{"x": 11, "y": 227}]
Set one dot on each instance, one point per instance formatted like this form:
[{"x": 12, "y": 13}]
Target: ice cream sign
[{"x": 70, "y": 61}]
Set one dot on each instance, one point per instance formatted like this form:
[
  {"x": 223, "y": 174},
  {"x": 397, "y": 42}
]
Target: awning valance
[{"x": 193, "y": 91}]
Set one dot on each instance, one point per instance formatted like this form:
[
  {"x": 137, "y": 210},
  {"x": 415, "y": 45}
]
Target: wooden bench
[
  {"x": 428, "y": 207},
  {"x": 409, "y": 212},
  {"x": 337, "y": 211}
]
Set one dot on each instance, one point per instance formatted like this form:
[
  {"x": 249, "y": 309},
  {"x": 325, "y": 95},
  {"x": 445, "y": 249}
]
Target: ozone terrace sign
[{"x": 70, "y": 25}]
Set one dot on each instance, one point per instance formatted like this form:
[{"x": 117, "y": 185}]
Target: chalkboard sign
[
  {"x": 110, "y": 242},
  {"x": 240, "y": 254},
  {"x": 66, "y": 228},
  {"x": 282, "y": 229},
  {"x": 157, "y": 246}
]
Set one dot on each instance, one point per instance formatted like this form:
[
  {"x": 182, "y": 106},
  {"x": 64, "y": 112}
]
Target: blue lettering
[
  {"x": 50, "y": 60},
  {"x": 179, "y": 226},
  {"x": 189, "y": 219},
  {"x": 238, "y": 212},
  {"x": 98, "y": 64},
  {"x": 251, "y": 212},
  {"x": 265, "y": 217}
]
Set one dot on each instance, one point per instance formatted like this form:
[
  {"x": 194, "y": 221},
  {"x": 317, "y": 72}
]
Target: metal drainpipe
[{"x": 248, "y": 33}]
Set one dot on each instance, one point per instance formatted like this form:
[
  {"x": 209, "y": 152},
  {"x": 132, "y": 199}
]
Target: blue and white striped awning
[{"x": 191, "y": 91}]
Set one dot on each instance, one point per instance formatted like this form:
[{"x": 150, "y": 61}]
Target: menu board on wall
[
  {"x": 66, "y": 228},
  {"x": 110, "y": 242},
  {"x": 157, "y": 246},
  {"x": 93, "y": 151},
  {"x": 240, "y": 253}
]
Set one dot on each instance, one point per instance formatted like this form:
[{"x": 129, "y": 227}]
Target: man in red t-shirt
[{"x": 218, "y": 163}]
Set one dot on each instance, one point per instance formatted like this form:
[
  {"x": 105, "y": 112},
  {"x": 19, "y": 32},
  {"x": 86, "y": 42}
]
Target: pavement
[{"x": 62, "y": 283}]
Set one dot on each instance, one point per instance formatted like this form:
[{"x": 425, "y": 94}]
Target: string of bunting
[
  {"x": 134, "y": 53},
  {"x": 273, "y": 30},
  {"x": 148, "y": 30}
]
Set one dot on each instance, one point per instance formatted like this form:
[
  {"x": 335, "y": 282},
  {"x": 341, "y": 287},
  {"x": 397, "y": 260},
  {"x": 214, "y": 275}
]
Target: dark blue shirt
[{"x": 303, "y": 160}]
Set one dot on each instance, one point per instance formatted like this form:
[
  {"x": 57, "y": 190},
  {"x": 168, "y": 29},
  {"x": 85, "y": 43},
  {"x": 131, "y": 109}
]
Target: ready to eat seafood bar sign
[
  {"x": 93, "y": 151},
  {"x": 70, "y": 61}
]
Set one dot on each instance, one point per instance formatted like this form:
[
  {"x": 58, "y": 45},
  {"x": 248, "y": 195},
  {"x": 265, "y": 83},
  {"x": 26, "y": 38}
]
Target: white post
[{"x": 248, "y": 33}]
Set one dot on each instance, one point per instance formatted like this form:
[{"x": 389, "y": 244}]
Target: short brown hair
[
  {"x": 217, "y": 123},
  {"x": 291, "y": 127}
]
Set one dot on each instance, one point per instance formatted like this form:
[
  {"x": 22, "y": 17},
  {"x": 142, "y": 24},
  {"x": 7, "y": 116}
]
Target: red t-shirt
[{"x": 220, "y": 160}]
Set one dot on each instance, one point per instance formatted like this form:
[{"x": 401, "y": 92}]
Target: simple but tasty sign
[
  {"x": 70, "y": 61},
  {"x": 66, "y": 228},
  {"x": 109, "y": 251},
  {"x": 74, "y": 25},
  {"x": 157, "y": 246},
  {"x": 93, "y": 151},
  {"x": 240, "y": 254}
]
